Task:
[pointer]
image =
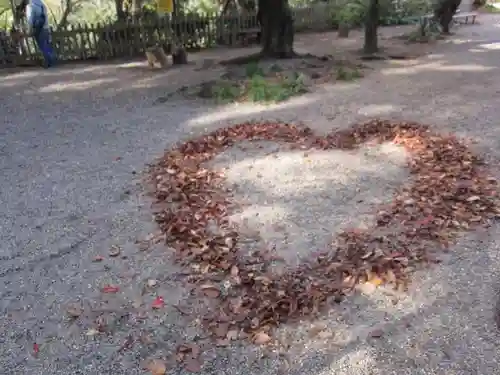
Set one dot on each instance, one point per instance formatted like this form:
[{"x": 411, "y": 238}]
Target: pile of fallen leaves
[{"x": 449, "y": 192}]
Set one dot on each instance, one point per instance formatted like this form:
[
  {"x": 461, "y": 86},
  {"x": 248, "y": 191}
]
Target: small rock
[
  {"x": 325, "y": 335},
  {"x": 366, "y": 288},
  {"x": 376, "y": 333},
  {"x": 409, "y": 202},
  {"x": 152, "y": 283},
  {"x": 115, "y": 251},
  {"x": 74, "y": 311}
]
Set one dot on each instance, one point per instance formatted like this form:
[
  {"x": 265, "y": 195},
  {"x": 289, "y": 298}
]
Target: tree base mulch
[{"x": 450, "y": 192}]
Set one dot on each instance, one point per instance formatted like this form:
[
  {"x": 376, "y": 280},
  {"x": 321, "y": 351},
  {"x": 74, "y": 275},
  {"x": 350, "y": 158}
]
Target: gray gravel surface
[
  {"x": 70, "y": 143},
  {"x": 340, "y": 189}
]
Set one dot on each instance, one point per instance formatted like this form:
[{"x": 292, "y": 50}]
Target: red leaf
[
  {"x": 110, "y": 289},
  {"x": 426, "y": 220},
  {"x": 36, "y": 349},
  {"x": 158, "y": 303},
  {"x": 192, "y": 364},
  {"x": 98, "y": 258}
]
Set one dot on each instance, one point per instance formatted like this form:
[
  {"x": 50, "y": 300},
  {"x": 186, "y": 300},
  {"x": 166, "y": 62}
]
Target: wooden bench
[
  {"x": 458, "y": 16},
  {"x": 466, "y": 17}
]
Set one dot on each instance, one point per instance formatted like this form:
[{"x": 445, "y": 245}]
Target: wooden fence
[{"x": 127, "y": 40}]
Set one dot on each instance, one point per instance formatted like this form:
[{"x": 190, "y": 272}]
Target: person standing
[{"x": 38, "y": 26}]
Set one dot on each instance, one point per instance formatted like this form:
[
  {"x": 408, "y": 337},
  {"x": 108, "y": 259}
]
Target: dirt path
[{"x": 73, "y": 142}]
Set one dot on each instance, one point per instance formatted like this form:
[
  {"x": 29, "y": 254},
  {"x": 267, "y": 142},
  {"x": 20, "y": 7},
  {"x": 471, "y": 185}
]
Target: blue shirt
[{"x": 36, "y": 14}]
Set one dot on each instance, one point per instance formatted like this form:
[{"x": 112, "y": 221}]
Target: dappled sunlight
[
  {"x": 283, "y": 181},
  {"x": 362, "y": 161},
  {"x": 477, "y": 50},
  {"x": 25, "y": 75},
  {"x": 360, "y": 361},
  {"x": 231, "y": 111},
  {"x": 76, "y": 85},
  {"x": 490, "y": 46},
  {"x": 379, "y": 109},
  {"x": 434, "y": 56},
  {"x": 438, "y": 66}
]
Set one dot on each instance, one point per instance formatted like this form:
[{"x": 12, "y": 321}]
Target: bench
[
  {"x": 465, "y": 17},
  {"x": 458, "y": 16}
]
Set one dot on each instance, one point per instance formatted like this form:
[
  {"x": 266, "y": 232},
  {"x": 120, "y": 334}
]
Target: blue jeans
[{"x": 42, "y": 39}]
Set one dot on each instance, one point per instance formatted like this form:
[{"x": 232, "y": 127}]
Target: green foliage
[
  {"x": 344, "y": 73},
  {"x": 226, "y": 91},
  {"x": 427, "y": 31},
  {"x": 200, "y": 6},
  {"x": 490, "y": 8},
  {"x": 352, "y": 13},
  {"x": 275, "y": 68},
  {"x": 260, "y": 88},
  {"x": 253, "y": 69}
]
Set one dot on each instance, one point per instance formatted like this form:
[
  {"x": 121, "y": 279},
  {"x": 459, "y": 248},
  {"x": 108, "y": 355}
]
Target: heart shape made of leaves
[{"x": 451, "y": 192}]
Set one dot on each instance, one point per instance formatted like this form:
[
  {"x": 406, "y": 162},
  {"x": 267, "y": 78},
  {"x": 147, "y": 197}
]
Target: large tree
[
  {"x": 276, "y": 24},
  {"x": 371, "y": 25},
  {"x": 444, "y": 11}
]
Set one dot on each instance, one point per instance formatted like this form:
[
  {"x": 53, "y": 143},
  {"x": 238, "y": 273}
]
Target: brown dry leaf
[
  {"x": 261, "y": 338},
  {"x": 313, "y": 331},
  {"x": 376, "y": 281},
  {"x": 325, "y": 335},
  {"x": 474, "y": 198},
  {"x": 222, "y": 342},
  {"x": 192, "y": 364},
  {"x": 391, "y": 277},
  {"x": 152, "y": 283},
  {"x": 376, "y": 333},
  {"x": 156, "y": 366},
  {"x": 210, "y": 290},
  {"x": 221, "y": 330},
  {"x": 110, "y": 289},
  {"x": 232, "y": 335},
  {"x": 92, "y": 332},
  {"x": 114, "y": 251},
  {"x": 195, "y": 350},
  {"x": 234, "y": 271},
  {"x": 74, "y": 311}
]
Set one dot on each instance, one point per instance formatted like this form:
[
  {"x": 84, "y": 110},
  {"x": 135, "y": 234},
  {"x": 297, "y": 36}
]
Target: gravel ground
[
  {"x": 72, "y": 143},
  {"x": 341, "y": 190}
]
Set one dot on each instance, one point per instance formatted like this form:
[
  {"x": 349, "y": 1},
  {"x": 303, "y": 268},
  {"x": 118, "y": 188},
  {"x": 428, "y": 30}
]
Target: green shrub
[
  {"x": 490, "y": 8},
  {"x": 352, "y": 13},
  {"x": 347, "y": 74},
  {"x": 260, "y": 89},
  {"x": 226, "y": 91},
  {"x": 253, "y": 69}
]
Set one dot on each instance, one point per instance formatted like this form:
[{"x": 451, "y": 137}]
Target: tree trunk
[
  {"x": 121, "y": 15},
  {"x": 276, "y": 24},
  {"x": 371, "y": 25},
  {"x": 444, "y": 12}
]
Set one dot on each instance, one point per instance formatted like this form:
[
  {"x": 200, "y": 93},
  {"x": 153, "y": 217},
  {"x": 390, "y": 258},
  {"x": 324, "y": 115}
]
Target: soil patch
[{"x": 275, "y": 80}]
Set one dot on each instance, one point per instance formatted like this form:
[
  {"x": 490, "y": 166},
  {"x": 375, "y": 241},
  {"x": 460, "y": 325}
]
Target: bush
[
  {"x": 259, "y": 88},
  {"x": 347, "y": 74}
]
